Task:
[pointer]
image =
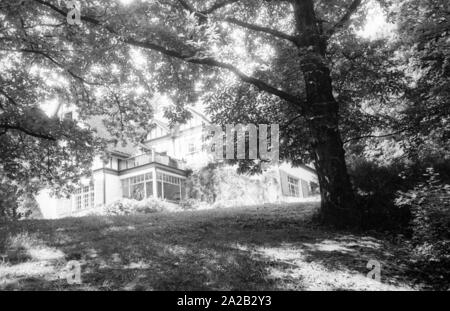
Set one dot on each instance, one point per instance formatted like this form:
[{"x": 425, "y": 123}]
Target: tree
[
  {"x": 192, "y": 45},
  {"x": 38, "y": 149},
  {"x": 425, "y": 31}
]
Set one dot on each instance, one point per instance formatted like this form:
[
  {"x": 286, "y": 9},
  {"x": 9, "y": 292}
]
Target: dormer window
[
  {"x": 68, "y": 116},
  {"x": 191, "y": 148}
]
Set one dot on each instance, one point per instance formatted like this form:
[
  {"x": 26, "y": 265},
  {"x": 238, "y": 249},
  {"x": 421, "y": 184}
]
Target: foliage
[
  {"x": 378, "y": 184},
  {"x": 29, "y": 207},
  {"x": 425, "y": 54},
  {"x": 430, "y": 205},
  {"x": 217, "y": 186},
  {"x": 8, "y": 202},
  {"x": 242, "y": 59},
  {"x": 17, "y": 203},
  {"x": 376, "y": 187},
  {"x": 202, "y": 185},
  {"x": 124, "y": 54},
  {"x": 146, "y": 206},
  {"x": 40, "y": 70}
]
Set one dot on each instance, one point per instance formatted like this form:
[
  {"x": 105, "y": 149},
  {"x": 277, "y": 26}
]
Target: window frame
[
  {"x": 84, "y": 197},
  {"x": 293, "y": 186}
]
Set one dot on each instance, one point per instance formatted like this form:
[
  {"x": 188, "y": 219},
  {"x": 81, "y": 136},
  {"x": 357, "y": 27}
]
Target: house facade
[{"x": 158, "y": 168}]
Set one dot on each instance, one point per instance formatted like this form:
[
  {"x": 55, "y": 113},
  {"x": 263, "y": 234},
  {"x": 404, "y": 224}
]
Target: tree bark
[{"x": 322, "y": 112}]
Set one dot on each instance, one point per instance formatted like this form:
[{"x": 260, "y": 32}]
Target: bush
[
  {"x": 17, "y": 203},
  {"x": 147, "y": 206},
  {"x": 430, "y": 206},
  {"x": 8, "y": 202},
  {"x": 221, "y": 186},
  {"x": 376, "y": 187}
]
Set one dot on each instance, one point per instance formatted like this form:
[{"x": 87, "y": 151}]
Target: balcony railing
[{"x": 149, "y": 158}]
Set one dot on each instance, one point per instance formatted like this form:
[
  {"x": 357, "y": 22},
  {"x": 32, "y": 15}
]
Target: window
[
  {"x": 86, "y": 200},
  {"x": 170, "y": 187},
  {"x": 191, "y": 148},
  {"x": 68, "y": 116},
  {"x": 84, "y": 197},
  {"x": 92, "y": 198},
  {"x": 78, "y": 202},
  {"x": 293, "y": 187},
  {"x": 138, "y": 187}
]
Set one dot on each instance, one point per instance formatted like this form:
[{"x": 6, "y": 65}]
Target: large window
[
  {"x": 293, "y": 187},
  {"x": 138, "y": 187},
  {"x": 84, "y": 197},
  {"x": 170, "y": 187}
]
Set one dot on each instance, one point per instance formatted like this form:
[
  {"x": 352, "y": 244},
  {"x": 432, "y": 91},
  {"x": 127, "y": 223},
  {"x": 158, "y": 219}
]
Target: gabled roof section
[
  {"x": 162, "y": 125},
  {"x": 198, "y": 113},
  {"x": 126, "y": 149}
]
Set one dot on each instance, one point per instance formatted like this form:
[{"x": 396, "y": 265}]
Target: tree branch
[
  {"x": 218, "y": 5},
  {"x": 203, "y": 15},
  {"x": 289, "y": 122},
  {"x": 11, "y": 100},
  {"x": 7, "y": 127},
  {"x": 266, "y": 30},
  {"x": 214, "y": 7},
  {"x": 344, "y": 20},
  {"x": 74, "y": 75},
  {"x": 261, "y": 85},
  {"x": 376, "y": 136}
]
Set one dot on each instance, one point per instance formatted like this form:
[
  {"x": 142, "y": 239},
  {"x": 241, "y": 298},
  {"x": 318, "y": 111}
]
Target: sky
[{"x": 376, "y": 25}]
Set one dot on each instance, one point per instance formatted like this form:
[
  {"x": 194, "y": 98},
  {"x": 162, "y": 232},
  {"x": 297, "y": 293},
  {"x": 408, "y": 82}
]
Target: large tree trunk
[{"x": 322, "y": 112}]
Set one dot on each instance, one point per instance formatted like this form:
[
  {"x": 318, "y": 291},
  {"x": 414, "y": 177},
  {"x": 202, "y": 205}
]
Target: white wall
[
  {"x": 47, "y": 204},
  {"x": 113, "y": 188},
  {"x": 52, "y": 207},
  {"x": 285, "y": 170}
]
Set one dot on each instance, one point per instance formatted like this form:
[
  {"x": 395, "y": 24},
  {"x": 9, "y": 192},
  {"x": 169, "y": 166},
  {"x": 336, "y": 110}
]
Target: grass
[{"x": 254, "y": 248}]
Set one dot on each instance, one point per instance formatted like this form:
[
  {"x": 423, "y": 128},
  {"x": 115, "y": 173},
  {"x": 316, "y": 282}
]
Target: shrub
[
  {"x": 201, "y": 186},
  {"x": 217, "y": 186},
  {"x": 16, "y": 248},
  {"x": 376, "y": 187},
  {"x": 8, "y": 202},
  {"x": 430, "y": 206},
  {"x": 147, "y": 206}
]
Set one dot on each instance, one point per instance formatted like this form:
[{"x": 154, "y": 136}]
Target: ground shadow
[{"x": 267, "y": 248}]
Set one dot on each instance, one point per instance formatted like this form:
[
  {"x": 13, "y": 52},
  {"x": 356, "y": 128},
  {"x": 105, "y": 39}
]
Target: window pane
[
  {"x": 305, "y": 189},
  {"x": 148, "y": 176},
  {"x": 137, "y": 191},
  {"x": 125, "y": 188},
  {"x": 149, "y": 187},
  {"x": 159, "y": 189},
  {"x": 86, "y": 200},
  {"x": 183, "y": 190},
  {"x": 172, "y": 192},
  {"x": 92, "y": 199}
]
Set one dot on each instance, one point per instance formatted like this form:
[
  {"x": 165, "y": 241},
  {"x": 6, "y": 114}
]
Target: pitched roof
[
  {"x": 113, "y": 145},
  {"x": 201, "y": 115}
]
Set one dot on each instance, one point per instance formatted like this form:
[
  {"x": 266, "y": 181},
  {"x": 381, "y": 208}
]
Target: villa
[{"x": 159, "y": 166}]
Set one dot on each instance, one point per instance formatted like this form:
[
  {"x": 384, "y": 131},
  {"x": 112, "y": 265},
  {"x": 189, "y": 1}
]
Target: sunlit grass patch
[{"x": 254, "y": 248}]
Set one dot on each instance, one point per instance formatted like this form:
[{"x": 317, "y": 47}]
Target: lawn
[{"x": 254, "y": 248}]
